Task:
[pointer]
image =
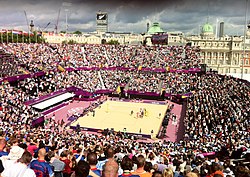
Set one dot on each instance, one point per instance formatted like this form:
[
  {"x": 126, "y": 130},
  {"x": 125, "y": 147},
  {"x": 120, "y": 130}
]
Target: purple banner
[
  {"x": 25, "y": 76},
  {"x": 38, "y": 121},
  {"x": 105, "y": 91},
  {"x": 143, "y": 93}
]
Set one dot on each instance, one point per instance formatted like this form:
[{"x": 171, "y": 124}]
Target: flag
[
  {"x": 3, "y": 31},
  {"x": 51, "y": 33},
  {"x": 184, "y": 96},
  {"x": 25, "y": 33},
  {"x": 162, "y": 90},
  {"x": 39, "y": 33},
  {"x": 60, "y": 68},
  {"x": 118, "y": 90},
  {"x": 16, "y": 32},
  {"x": 23, "y": 71}
]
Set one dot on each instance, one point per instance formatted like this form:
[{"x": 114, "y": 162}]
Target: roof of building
[
  {"x": 155, "y": 28},
  {"x": 207, "y": 28}
]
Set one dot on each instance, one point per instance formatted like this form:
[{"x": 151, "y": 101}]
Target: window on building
[
  {"x": 247, "y": 62},
  {"x": 235, "y": 70},
  {"x": 208, "y": 61},
  {"x": 226, "y": 70},
  {"x": 245, "y": 71}
]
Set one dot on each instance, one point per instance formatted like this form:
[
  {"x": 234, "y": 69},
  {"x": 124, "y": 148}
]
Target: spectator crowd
[{"x": 216, "y": 136}]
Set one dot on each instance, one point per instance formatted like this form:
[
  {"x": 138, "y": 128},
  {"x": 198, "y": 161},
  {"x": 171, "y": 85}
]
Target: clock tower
[{"x": 102, "y": 21}]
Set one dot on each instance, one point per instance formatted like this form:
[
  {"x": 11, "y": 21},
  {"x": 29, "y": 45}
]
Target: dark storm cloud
[{"x": 124, "y": 15}]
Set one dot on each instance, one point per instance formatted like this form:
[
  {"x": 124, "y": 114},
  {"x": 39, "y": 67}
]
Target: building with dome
[
  {"x": 224, "y": 53},
  {"x": 174, "y": 38},
  {"x": 155, "y": 29},
  {"x": 207, "y": 30}
]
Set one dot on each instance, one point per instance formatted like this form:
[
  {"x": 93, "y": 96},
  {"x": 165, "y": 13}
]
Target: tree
[
  {"x": 104, "y": 41},
  {"x": 22, "y": 38},
  {"x": 69, "y": 42},
  {"x": 113, "y": 42},
  {"x": 77, "y": 32}
]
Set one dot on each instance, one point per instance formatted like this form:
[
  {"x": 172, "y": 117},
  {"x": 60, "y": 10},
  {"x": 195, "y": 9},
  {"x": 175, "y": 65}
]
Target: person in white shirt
[{"x": 20, "y": 168}]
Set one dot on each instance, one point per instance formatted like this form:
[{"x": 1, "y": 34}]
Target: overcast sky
[{"x": 125, "y": 15}]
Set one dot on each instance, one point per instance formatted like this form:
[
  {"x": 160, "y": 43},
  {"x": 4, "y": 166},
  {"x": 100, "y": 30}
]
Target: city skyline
[{"x": 186, "y": 16}]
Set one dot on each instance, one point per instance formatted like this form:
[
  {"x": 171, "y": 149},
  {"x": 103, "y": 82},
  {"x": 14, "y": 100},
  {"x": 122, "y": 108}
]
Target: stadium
[{"x": 142, "y": 98}]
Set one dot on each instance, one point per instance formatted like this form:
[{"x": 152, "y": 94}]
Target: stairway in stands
[
  {"x": 101, "y": 80},
  {"x": 8, "y": 65}
]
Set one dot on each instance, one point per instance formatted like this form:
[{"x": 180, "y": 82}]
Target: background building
[
  {"x": 220, "y": 52},
  {"x": 224, "y": 53}
]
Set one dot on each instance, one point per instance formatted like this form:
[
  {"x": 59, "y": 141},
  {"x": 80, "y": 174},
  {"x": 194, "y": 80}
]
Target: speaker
[{"x": 203, "y": 68}]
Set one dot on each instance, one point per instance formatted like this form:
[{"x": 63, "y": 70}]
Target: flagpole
[
  {"x": 29, "y": 35},
  {"x": 244, "y": 41},
  {"x": 12, "y": 35},
  {"x": 7, "y": 37},
  {"x": 22, "y": 37},
  {"x": 1, "y": 35}
]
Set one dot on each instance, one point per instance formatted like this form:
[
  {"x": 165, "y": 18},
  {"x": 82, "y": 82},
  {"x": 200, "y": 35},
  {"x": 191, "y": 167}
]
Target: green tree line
[{"x": 21, "y": 38}]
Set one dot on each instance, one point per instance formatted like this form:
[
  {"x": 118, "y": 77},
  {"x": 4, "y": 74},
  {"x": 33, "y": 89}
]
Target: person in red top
[
  {"x": 31, "y": 146},
  {"x": 68, "y": 164}
]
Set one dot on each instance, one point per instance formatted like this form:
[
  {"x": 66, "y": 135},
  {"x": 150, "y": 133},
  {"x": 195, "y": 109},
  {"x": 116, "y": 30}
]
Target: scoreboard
[
  {"x": 102, "y": 18},
  {"x": 160, "y": 39}
]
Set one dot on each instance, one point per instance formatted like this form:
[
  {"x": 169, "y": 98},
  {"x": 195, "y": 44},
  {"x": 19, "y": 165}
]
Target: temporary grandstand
[{"x": 152, "y": 93}]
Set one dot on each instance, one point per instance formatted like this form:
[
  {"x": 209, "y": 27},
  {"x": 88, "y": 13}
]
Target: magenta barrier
[
  {"x": 191, "y": 70},
  {"x": 38, "y": 121},
  {"x": 38, "y": 74},
  {"x": 143, "y": 93}
]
